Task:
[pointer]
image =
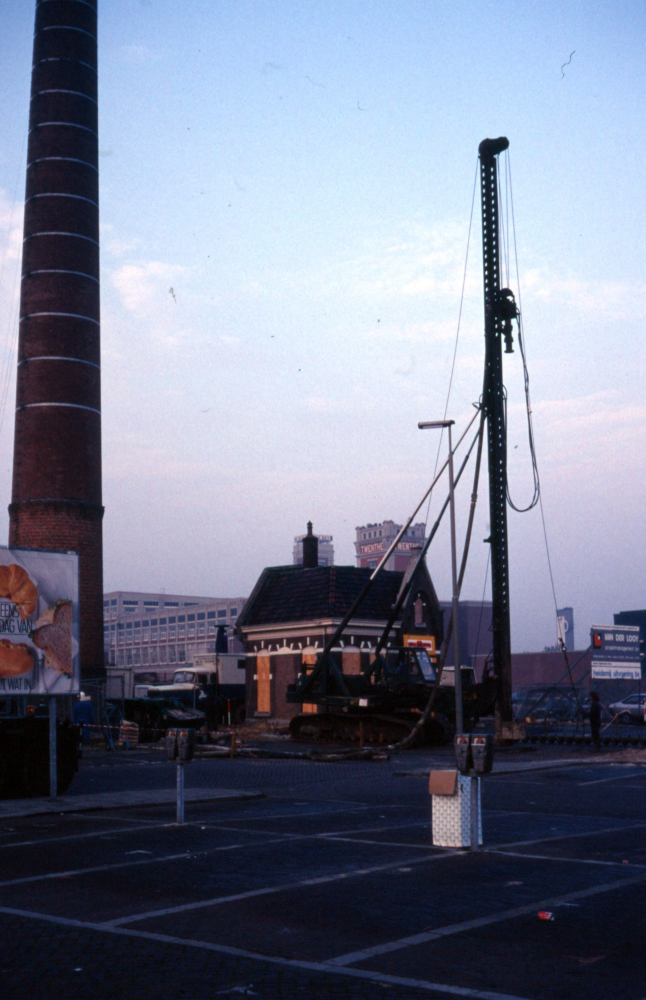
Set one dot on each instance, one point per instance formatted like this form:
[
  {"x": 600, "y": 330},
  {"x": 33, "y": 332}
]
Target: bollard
[
  {"x": 53, "y": 768},
  {"x": 179, "y": 815},
  {"x": 233, "y": 746},
  {"x": 180, "y": 746},
  {"x": 361, "y": 733},
  {"x": 474, "y": 814}
]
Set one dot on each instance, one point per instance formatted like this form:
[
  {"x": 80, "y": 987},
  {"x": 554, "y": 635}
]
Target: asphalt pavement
[{"x": 299, "y": 879}]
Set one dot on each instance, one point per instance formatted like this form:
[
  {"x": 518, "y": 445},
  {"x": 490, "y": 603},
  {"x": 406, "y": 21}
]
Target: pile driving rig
[{"x": 400, "y": 694}]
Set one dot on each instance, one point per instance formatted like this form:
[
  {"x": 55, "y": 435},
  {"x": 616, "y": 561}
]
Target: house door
[
  {"x": 263, "y": 675},
  {"x": 309, "y": 662}
]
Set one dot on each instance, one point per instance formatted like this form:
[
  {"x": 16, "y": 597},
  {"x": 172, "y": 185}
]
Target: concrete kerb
[
  {"x": 538, "y": 765},
  {"x": 16, "y": 808}
]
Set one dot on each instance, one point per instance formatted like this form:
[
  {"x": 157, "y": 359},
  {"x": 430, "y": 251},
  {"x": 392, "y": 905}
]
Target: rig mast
[{"x": 499, "y": 310}]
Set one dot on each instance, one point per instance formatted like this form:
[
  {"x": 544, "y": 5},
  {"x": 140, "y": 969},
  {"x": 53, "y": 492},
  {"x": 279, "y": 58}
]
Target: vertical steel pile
[
  {"x": 56, "y": 498},
  {"x": 494, "y": 403}
]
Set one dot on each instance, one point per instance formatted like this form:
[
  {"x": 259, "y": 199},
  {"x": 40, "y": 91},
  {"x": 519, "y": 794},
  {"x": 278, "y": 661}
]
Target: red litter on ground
[{"x": 545, "y": 915}]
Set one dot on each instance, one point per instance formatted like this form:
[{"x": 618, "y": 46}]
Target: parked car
[{"x": 630, "y": 709}]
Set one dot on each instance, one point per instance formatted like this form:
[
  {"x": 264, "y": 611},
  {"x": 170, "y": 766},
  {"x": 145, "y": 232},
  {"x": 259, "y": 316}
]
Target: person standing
[
  {"x": 83, "y": 716},
  {"x": 595, "y": 718}
]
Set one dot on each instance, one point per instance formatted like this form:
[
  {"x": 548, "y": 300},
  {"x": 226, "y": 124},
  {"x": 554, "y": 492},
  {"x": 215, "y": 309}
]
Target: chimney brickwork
[{"x": 56, "y": 498}]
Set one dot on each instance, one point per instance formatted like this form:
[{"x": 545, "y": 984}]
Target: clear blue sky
[{"x": 300, "y": 174}]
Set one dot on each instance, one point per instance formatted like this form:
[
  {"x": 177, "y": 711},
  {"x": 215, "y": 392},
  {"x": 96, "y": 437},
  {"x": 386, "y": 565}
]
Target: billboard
[
  {"x": 39, "y": 622},
  {"x": 615, "y": 652}
]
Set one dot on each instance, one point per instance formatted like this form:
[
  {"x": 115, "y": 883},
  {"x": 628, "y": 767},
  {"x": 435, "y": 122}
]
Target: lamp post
[{"x": 433, "y": 425}]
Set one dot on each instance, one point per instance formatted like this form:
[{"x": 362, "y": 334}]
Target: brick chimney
[
  {"x": 310, "y": 549},
  {"x": 56, "y": 498}
]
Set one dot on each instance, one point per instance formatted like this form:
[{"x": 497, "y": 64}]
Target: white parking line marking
[
  {"x": 576, "y": 861},
  {"x": 156, "y": 825},
  {"x": 375, "y": 829},
  {"x": 161, "y": 859},
  {"x": 323, "y": 967},
  {"x": 108, "y": 832},
  {"x": 267, "y": 891},
  {"x": 519, "y": 911},
  {"x": 567, "y": 836},
  {"x": 383, "y": 843},
  {"x": 614, "y": 777}
]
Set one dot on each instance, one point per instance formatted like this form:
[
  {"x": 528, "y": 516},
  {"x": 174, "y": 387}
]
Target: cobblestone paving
[{"x": 329, "y": 887}]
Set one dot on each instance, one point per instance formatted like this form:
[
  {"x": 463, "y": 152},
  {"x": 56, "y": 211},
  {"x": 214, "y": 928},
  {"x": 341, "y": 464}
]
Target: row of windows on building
[
  {"x": 131, "y": 607},
  {"x": 154, "y": 655},
  {"x": 166, "y": 629}
]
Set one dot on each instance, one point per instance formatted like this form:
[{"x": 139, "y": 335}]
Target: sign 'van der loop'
[{"x": 615, "y": 652}]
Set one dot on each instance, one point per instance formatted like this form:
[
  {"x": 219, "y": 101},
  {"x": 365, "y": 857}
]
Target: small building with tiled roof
[{"x": 294, "y": 610}]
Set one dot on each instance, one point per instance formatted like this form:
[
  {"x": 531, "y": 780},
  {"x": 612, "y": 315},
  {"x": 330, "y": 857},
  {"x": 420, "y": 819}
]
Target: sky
[{"x": 286, "y": 190}]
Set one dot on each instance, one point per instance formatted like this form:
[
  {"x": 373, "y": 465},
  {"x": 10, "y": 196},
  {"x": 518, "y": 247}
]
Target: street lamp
[{"x": 434, "y": 425}]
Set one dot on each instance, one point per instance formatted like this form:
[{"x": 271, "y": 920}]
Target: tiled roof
[{"x": 292, "y": 593}]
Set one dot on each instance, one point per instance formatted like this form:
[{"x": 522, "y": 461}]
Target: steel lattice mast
[{"x": 500, "y": 309}]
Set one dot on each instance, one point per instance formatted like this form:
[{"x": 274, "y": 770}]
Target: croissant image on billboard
[{"x": 39, "y": 622}]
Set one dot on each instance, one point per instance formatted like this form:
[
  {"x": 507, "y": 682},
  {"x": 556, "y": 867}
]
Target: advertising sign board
[
  {"x": 615, "y": 652},
  {"x": 565, "y": 628},
  {"x": 39, "y": 622},
  {"x": 426, "y": 642}
]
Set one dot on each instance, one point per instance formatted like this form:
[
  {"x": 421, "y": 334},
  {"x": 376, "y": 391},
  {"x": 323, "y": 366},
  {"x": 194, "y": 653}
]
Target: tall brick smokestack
[{"x": 56, "y": 499}]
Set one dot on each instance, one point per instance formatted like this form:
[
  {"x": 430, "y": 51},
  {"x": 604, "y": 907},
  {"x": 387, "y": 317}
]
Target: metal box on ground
[{"x": 451, "y": 806}]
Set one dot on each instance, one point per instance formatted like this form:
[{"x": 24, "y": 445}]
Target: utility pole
[{"x": 499, "y": 310}]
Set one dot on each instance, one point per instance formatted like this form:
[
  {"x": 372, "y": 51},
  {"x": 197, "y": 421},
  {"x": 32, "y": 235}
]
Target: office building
[
  {"x": 154, "y": 633},
  {"x": 325, "y": 550},
  {"x": 374, "y": 540}
]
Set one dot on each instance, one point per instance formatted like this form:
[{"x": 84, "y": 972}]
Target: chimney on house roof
[{"x": 310, "y": 549}]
